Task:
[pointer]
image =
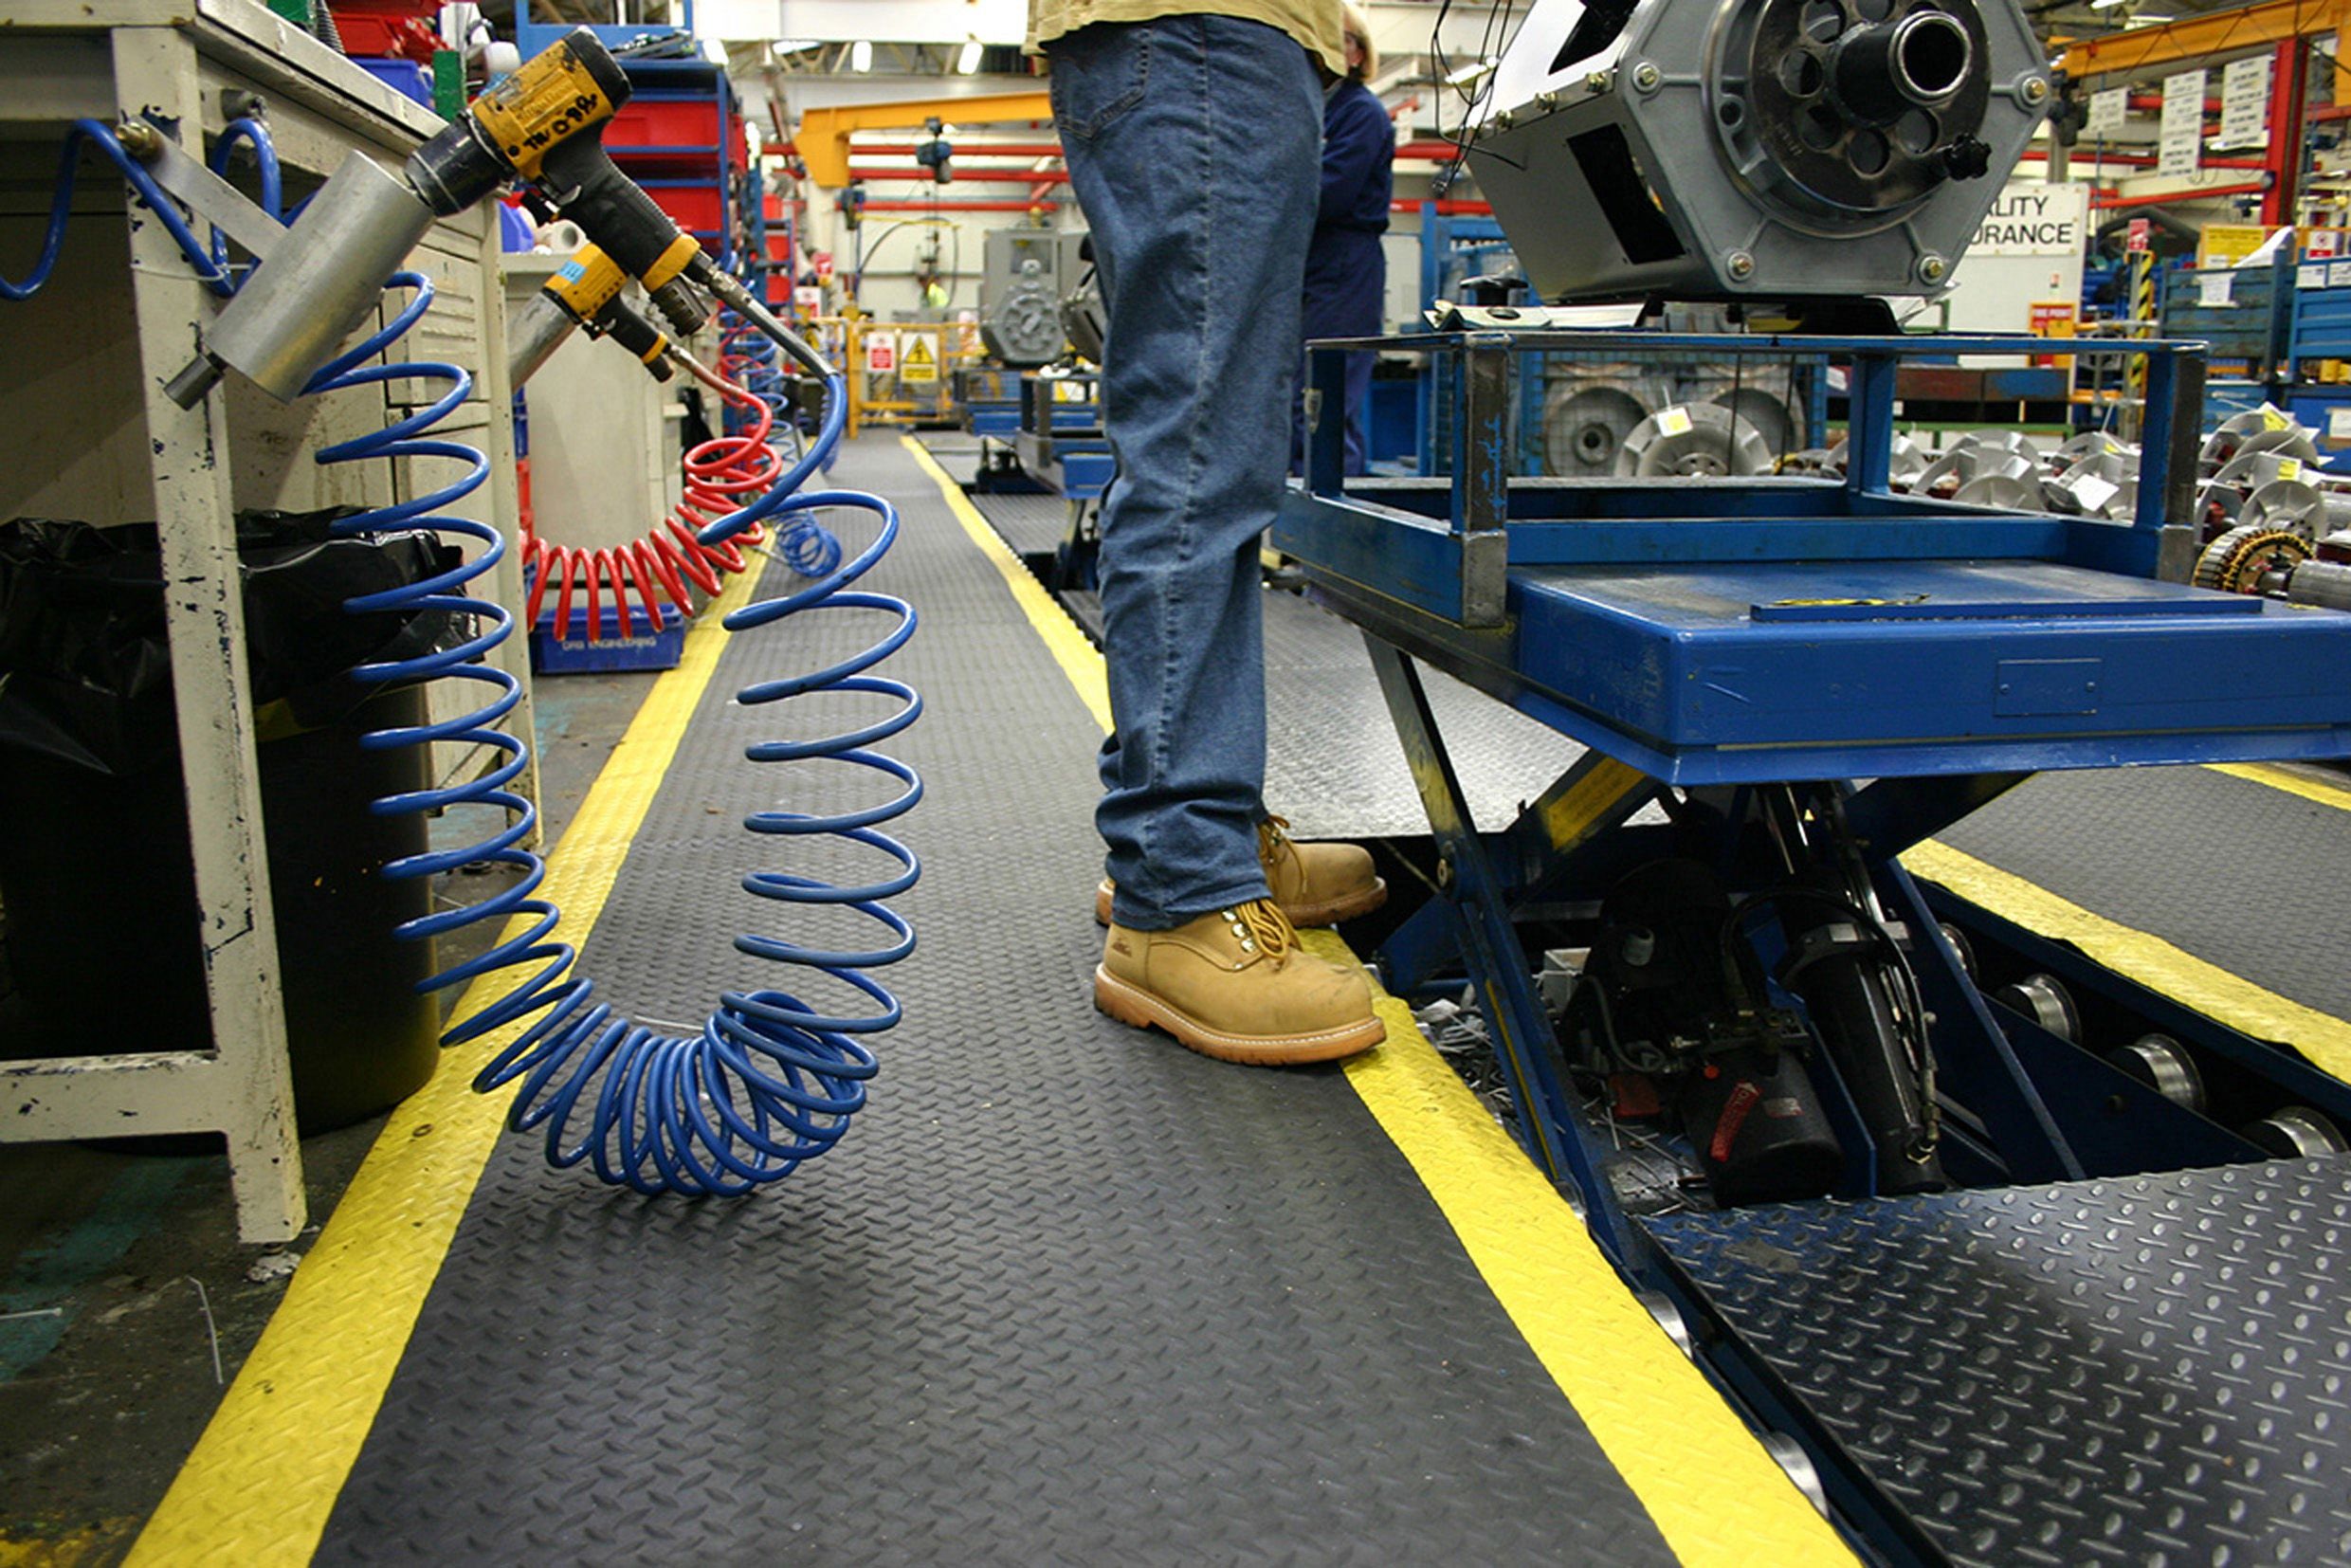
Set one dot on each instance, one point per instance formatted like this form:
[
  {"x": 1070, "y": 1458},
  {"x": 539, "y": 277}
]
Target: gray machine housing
[
  {"x": 1754, "y": 149},
  {"x": 1026, "y": 274}
]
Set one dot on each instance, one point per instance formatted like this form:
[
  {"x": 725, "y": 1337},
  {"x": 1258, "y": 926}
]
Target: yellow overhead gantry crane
[{"x": 822, "y": 138}]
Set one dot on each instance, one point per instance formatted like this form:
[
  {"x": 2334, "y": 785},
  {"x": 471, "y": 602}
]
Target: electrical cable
[{"x": 769, "y": 1080}]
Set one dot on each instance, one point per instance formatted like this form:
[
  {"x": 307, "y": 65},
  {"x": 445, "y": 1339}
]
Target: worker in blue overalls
[{"x": 1346, "y": 270}]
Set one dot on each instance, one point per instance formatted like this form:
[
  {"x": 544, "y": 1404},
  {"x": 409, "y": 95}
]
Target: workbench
[{"x": 91, "y": 435}]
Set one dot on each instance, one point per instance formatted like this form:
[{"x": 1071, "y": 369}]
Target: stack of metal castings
[
  {"x": 1592, "y": 408},
  {"x": 2272, "y": 520}
]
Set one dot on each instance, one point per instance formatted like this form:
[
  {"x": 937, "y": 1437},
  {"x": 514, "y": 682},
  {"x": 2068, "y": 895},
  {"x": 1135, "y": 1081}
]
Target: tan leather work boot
[
  {"x": 1235, "y": 985},
  {"x": 1315, "y": 884}
]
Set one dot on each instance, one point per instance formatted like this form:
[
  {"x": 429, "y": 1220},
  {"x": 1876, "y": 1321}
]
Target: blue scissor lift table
[{"x": 1875, "y": 666}]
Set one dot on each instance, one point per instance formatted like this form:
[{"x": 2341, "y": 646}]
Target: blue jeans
[{"x": 1194, "y": 145}]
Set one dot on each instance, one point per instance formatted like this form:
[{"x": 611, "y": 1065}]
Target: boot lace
[
  {"x": 1273, "y": 839},
  {"x": 1268, "y": 928}
]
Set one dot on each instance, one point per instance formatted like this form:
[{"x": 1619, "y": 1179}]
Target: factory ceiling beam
[
  {"x": 2144, "y": 50},
  {"x": 823, "y": 136}
]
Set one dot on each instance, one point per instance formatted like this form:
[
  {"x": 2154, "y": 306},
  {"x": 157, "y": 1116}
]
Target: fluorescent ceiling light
[
  {"x": 1476, "y": 68},
  {"x": 782, "y": 46},
  {"x": 967, "y": 60},
  {"x": 714, "y": 51},
  {"x": 861, "y": 55}
]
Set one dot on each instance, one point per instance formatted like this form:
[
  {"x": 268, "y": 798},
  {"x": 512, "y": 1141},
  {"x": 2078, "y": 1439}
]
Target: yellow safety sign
[{"x": 919, "y": 363}]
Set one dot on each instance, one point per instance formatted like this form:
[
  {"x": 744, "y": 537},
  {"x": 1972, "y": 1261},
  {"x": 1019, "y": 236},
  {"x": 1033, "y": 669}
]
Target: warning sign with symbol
[
  {"x": 921, "y": 361},
  {"x": 881, "y": 353}
]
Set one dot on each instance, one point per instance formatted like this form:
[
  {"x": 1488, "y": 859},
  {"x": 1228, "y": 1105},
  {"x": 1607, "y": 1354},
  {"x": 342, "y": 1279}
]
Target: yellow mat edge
[
  {"x": 2336, "y": 795},
  {"x": 2194, "y": 983},
  {"x": 262, "y": 1479},
  {"x": 1714, "y": 1493}
]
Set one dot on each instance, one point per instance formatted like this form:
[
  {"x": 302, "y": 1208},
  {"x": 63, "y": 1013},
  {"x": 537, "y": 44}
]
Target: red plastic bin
[
  {"x": 695, "y": 207},
  {"x": 690, "y": 125}
]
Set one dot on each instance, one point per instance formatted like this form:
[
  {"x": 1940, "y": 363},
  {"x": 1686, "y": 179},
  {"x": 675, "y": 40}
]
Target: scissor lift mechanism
[{"x": 1828, "y": 673}]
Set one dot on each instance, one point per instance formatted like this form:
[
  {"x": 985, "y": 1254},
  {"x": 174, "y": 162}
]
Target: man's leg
[{"x": 1193, "y": 144}]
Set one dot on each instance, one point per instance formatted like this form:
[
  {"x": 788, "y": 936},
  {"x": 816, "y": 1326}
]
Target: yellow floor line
[
  {"x": 2336, "y": 795},
  {"x": 1715, "y": 1495},
  {"x": 1712, "y": 1491},
  {"x": 2205, "y": 988},
  {"x": 1071, "y": 649},
  {"x": 265, "y": 1476}
]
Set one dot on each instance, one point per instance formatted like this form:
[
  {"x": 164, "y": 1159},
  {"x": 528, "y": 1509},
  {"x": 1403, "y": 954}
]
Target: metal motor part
[
  {"x": 2252, "y": 560},
  {"x": 2324, "y": 583},
  {"x": 320, "y": 281},
  {"x": 1760, "y": 149},
  {"x": 1693, "y": 441},
  {"x": 1023, "y": 325},
  {"x": 1667, "y": 992}
]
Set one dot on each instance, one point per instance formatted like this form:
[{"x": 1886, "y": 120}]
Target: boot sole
[
  {"x": 1330, "y": 913},
  {"x": 1132, "y": 1005}
]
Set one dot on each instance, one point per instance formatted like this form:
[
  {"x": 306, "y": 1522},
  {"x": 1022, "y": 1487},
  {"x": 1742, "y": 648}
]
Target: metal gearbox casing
[{"x": 1754, "y": 149}]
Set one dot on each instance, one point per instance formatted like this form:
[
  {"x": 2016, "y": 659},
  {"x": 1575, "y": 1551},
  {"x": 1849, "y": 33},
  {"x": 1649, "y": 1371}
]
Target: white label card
[
  {"x": 2107, "y": 110},
  {"x": 2216, "y": 288},
  {"x": 2180, "y": 139},
  {"x": 2244, "y": 104},
  {"x": 1674, "y": 421}
]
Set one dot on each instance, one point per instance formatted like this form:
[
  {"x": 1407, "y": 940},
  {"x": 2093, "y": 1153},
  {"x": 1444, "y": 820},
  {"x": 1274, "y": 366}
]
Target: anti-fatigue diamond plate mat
[
  {"x": 1332, "y": 765},
  {"x": 2150, "y": 1371},
  {"x": 2252, "y": 879},
  {"x": 1065, "y": 1292}
]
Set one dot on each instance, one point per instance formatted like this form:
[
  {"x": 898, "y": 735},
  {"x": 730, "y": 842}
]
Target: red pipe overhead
[
  {"x": 1449, "y": 209},
  {"x": 1425, "y": 149},
  {"x": 2253, "y": 187},
  {"x": 980, "y": 177},
  {"x": 963, "y": 149},
  {"x": 961, "y": 205},
  {"x": 2140, "y": 160},
  {"x": 2285, "y": 133}
]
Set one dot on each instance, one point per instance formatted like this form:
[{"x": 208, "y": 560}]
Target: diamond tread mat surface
[
  {"x": 2247, "y": 877},
  {"x": 2144, "y": 1370},
  {"x": 1030, "y": 524},
  {"x": 1065, "y": 1293},
  {"x": 1332, "y": 765}
]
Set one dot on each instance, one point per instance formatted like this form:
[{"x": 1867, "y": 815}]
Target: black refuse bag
[{"x": 96, "y": 873}]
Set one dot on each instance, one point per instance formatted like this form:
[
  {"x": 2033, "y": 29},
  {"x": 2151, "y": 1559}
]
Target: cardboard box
[{"x": 2227, "y": 243}]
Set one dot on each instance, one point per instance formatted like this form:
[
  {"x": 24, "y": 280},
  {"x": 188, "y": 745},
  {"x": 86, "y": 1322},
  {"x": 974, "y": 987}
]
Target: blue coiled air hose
[
  {"x": 749, "y": 356},
  {"x": 770, "y": 1080}
]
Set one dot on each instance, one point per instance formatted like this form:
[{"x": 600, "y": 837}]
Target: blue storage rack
[{"x": 2321, "y": 331}]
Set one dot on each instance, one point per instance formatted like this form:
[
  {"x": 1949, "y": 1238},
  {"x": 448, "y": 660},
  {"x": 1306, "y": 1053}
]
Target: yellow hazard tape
[
  {"x": 265, "y": 1476},
  {"x": 2151, "y": 961},
  {"x": 1715, "y": 1495},
  {"x": 2336, "y": 795},
  {"x": 1712, "y": 1491}
]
